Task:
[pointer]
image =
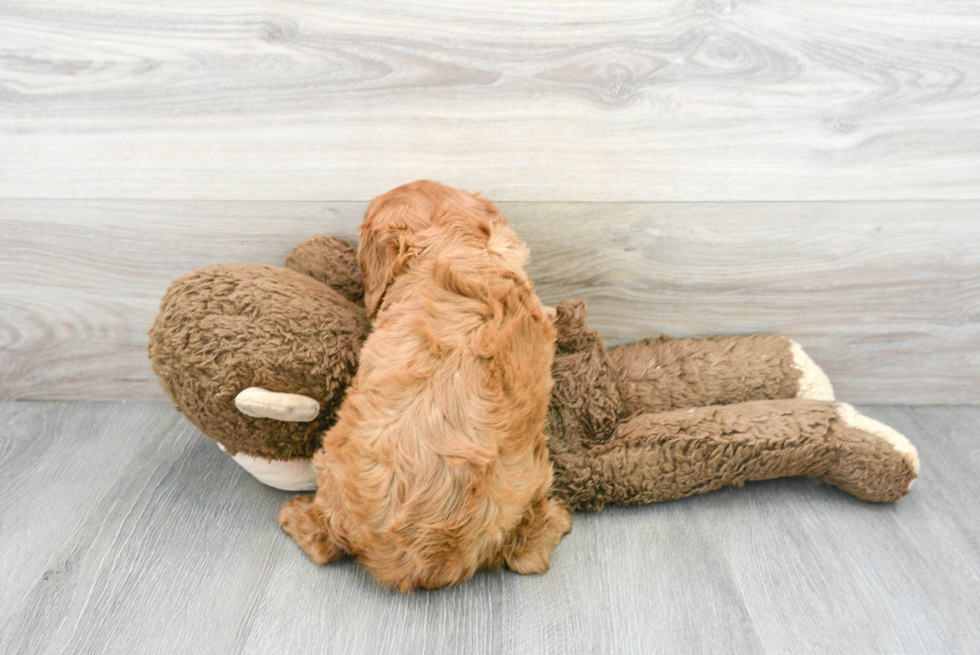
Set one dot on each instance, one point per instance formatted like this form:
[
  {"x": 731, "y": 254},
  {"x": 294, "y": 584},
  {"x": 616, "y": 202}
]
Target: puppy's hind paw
[
  {"x": 531, "y": 544},
  {"x": 296, "y": 518}
]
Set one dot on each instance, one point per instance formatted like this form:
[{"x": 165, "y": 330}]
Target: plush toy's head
[
  {"x": 225, "y": 328},
  {"x": 298, "y": 330}
]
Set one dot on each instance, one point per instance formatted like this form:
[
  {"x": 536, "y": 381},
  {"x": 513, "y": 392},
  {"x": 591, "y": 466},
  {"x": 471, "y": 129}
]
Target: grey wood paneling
[
  {"x": 596, "y": 100},
  {"x": 126, "y": 531},
  {"x": 885, "y": 296}
]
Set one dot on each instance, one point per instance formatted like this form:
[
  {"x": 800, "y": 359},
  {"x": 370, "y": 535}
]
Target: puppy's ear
[
  {"x": 376, "y": 255},
  {"x": 387, "y": 237},
  {"x": 383, "y": 254}
]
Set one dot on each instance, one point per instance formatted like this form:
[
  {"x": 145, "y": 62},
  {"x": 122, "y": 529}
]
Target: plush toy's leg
[
  {"x": 662, "y": 374},
  {"x": 529, "y": 548},
  {"x": 298, "y": 517},
  {"x": 294, "y": 474},
  {"x": 662, "y": 456}
]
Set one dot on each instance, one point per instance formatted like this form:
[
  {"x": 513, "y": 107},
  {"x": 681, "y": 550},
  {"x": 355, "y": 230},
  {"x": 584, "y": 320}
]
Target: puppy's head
[{"x": 397, "y": 227}]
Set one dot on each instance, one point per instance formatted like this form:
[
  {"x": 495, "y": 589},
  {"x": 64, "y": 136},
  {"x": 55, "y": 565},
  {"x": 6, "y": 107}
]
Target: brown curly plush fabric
[
  {"x": 652, "y": 421},
  {"x": 663, "y": 419},
  {"x": 586, "y": 402},
  {"x": 660, "y": 374},
  {"x": 330, "y": 261},
  {"x": 668, "y": 455},
  {"x": 224, "y": 328}
]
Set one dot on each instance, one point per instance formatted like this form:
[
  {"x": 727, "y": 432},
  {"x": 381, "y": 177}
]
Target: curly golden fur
[{"x": 438, "y": 464}]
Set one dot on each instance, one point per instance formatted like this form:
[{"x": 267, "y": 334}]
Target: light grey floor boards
[{"x": 123, "y": 530}]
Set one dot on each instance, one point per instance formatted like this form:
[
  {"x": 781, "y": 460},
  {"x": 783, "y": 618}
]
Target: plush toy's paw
[
  {"x": 296, "y": 518},
  {"x": 287, "y": 474},
  {"x": 814, "y": 383},
  {"x": 876, "y": 462}
]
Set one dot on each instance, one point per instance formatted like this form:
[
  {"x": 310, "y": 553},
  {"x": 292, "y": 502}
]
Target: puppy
[{"x": 437, "y": 466}]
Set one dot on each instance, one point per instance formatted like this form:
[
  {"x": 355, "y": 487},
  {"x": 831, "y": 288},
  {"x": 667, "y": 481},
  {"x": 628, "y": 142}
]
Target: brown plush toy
[{"x": 259, "y": 358}]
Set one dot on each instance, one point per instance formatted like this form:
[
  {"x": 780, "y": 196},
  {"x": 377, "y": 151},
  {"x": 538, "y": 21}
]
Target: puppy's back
[{"x": 439, "y": 448}]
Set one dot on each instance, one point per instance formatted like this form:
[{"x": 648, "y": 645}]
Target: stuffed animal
[{"x": 259, "y": 358}]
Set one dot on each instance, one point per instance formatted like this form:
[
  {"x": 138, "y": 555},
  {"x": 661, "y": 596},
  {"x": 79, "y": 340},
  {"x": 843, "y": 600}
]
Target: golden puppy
[{"x": 438, "y": 466}]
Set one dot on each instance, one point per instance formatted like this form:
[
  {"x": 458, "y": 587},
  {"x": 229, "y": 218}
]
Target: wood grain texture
[
  {"x": 82, "y": 282},
  {"x": 47, "y": 454},
  {"x": 152, "y": 559},
  {"x": 595, "y": 100},
  {"x": 878, "y": 578},
  {"x": 124, "y": 530},
  {"x": 885, "y": 296}
]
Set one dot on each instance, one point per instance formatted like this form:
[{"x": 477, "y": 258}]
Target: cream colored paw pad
[
  {"x": 814, "y": 383},
  {"x": 899, "y": 442}
]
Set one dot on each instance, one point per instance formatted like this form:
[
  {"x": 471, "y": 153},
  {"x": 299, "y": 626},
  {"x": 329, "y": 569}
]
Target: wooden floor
[{"x": 123, "y": 530}]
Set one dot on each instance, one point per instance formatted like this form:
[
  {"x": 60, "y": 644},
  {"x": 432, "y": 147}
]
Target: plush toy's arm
[
  {"x": 332, "y": 261},
  {"x": 662, "y": 456},
  {"x": 662, "y": 374}
]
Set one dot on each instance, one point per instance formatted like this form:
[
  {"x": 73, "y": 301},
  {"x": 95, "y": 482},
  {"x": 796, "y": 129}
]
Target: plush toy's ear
[{"x": 333, "y": 262}]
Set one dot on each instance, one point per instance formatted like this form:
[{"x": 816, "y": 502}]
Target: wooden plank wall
[{"x": 689, "y": 167}]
